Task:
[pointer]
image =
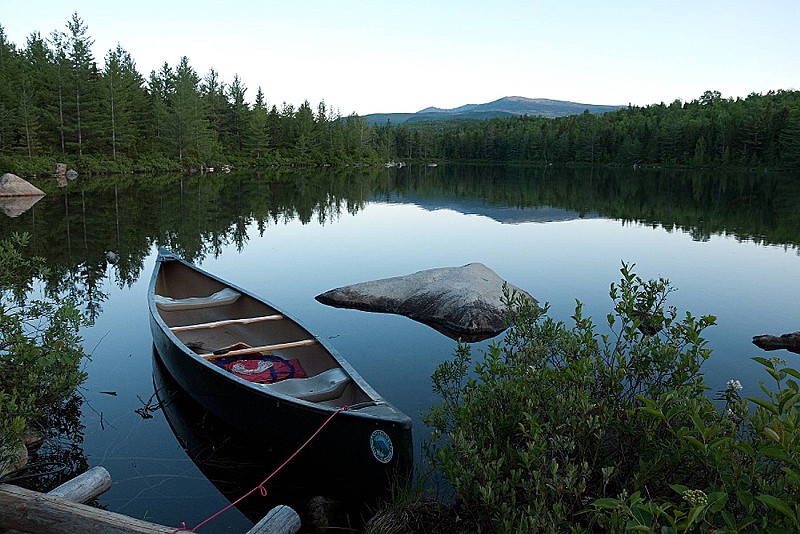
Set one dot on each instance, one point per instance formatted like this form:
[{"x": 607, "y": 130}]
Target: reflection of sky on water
[{"x": 752, "y": 289}]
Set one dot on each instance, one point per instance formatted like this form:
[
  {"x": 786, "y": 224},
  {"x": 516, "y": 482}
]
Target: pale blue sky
[{"x": 402, "y": 56}]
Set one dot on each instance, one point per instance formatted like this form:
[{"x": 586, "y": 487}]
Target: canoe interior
[{"x": 180, "y": 281}]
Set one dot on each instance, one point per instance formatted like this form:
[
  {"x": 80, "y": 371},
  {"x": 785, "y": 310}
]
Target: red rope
[{"x": 261, "y": 487}]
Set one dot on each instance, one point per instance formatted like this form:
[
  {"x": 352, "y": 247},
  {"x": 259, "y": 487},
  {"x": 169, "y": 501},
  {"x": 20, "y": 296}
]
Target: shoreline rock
[
  {"x": 790, "y": 342},
  {"x": 12, "y": 185},
  {"x": 460, "y": 302}
]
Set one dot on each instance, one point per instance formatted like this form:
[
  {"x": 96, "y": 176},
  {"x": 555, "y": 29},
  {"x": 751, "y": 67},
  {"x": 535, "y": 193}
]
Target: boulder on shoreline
[
  {"x": 461, "y": 302},
  {"x": 790, "y": 342},
  {"x": 12, "y": 185}
]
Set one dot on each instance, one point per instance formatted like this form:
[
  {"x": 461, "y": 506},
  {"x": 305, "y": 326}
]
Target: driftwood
[
  {"x": 61, "y": 511},
  {"x": 31, "y": 511},
  {"x": 790, "y": 342},
  {"x": 280, "y": 519},
  {"x": 85, "y": 487}
]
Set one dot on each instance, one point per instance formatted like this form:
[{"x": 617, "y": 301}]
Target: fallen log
[
  {"x": 61, "y": 511},
  {"x": 280, "y": 520},
  {"x": 84, "y": 487},
  {"x": 31, "y": 511}
]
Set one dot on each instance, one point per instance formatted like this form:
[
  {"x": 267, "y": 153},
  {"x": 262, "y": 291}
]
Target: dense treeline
[
  {"x": 55, "y": 102},
  {"x": 760, "y": 130}
]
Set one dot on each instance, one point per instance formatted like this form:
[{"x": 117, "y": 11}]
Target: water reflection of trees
[
  {"x": 60, "y": 456},
  {"x": 200, "y": 216},
  {"x": 764, "y": 208}
]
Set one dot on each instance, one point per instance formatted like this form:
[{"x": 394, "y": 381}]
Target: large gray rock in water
[
  {"x": 461, "y": 302},
  {"x": 12, "y": 185},
  {"x": 790, "y": 342}
]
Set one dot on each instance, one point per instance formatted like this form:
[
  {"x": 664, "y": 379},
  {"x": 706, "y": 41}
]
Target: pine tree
[
  {"x": 161, "y": 85},
  {"x": 81, "y": 81},
  {"x": 216, "y": 106},
  {"x": 238, "y": 114},
  {"x": 58, "y": 41},
  {"x": 123, "y": 101},
  {"x": 42, "y": 72},
  {"x": 189, "y": 124},
  {"x": 10, "y": 70},
  {"x": 258, "y": 128}
]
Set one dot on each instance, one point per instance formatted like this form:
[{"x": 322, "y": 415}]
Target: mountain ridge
[{"x": 502, "y": 107}]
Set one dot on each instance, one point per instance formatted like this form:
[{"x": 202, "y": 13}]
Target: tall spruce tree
[
  {"x": 81, "y": 82},
  {"x": 10, "y": 66},
  {"x": 258, "y": 137},
  {"x": 191, "y": 134},
  {"x": 238, "y": 114},
  {"x": 161, "y": 85},
  {"x": 122, "y": 89}
]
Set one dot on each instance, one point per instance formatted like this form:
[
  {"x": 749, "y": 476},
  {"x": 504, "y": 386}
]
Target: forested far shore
[{"x": 56, "y": 104}]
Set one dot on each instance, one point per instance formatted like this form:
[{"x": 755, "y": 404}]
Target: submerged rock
[
  {"x": 461, "y": 302},
  {"x": 790, "y": 342}
]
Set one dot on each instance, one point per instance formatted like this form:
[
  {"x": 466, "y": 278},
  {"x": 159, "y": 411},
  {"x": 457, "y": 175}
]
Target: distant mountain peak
[{"x": 507, "y": 106}]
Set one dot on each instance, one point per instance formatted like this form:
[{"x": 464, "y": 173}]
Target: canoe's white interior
[
  {"x": 177, "y": 281},
  {"x": 322, "y": 387},
  {"x": 223, "y": 297}
]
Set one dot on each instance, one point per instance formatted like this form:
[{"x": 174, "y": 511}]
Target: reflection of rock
[
  {"x": 12, "y": 185},
  {"x": 72, "y": 174},
  {"x": 112, "y": 257},
  {"x": 461, "y": 302},
  {"x": 17, "y": 195},
  {"x": 16, "y": 206},
  {"x": 790, "y": 342}
]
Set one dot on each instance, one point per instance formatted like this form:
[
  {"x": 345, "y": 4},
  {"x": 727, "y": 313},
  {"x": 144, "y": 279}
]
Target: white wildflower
[
  {"x": 695, "y": 497},
  {"x": 734, "y": 385}
]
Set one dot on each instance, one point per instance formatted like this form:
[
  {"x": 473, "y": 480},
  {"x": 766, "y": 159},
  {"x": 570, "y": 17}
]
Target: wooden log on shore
[
  {"x": 31, "y": 511},
  {"x": 84, "y": 487},
  {"x": 280, "y": 520},
  {"x": 61, "y": 511}
]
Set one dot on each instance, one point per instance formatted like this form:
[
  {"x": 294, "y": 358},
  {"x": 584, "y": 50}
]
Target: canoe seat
[
  {"x": 327, "y": 385},
  {"x": 222, "y": 297}
]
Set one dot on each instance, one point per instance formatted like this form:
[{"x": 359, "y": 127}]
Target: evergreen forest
[{"x": 57, "y": 103}]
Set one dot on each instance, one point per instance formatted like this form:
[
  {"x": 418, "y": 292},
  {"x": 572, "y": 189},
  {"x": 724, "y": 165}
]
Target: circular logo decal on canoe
[{"x": 381, "y": 446}]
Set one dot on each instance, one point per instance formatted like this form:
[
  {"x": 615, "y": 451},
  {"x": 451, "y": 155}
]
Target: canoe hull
[{"x": 372, "y": 445}]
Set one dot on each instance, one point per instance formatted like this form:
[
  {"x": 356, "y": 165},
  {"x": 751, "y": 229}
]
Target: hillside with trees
[{"x": 57, "y": 103}]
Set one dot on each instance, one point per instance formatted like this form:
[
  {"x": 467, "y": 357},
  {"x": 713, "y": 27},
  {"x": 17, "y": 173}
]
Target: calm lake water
[{"x": 729, "y": 243}]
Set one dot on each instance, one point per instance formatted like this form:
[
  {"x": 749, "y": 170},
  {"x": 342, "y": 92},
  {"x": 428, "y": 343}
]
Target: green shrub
[
  {"x": 561, "y": 429},
  {"x": 40, "y": 350}
]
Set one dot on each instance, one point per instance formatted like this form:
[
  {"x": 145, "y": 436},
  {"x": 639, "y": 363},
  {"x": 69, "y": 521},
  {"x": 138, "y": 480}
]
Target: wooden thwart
[
  {"x": 215, "y": 324},
  {"x": 263, "y": 348}
]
